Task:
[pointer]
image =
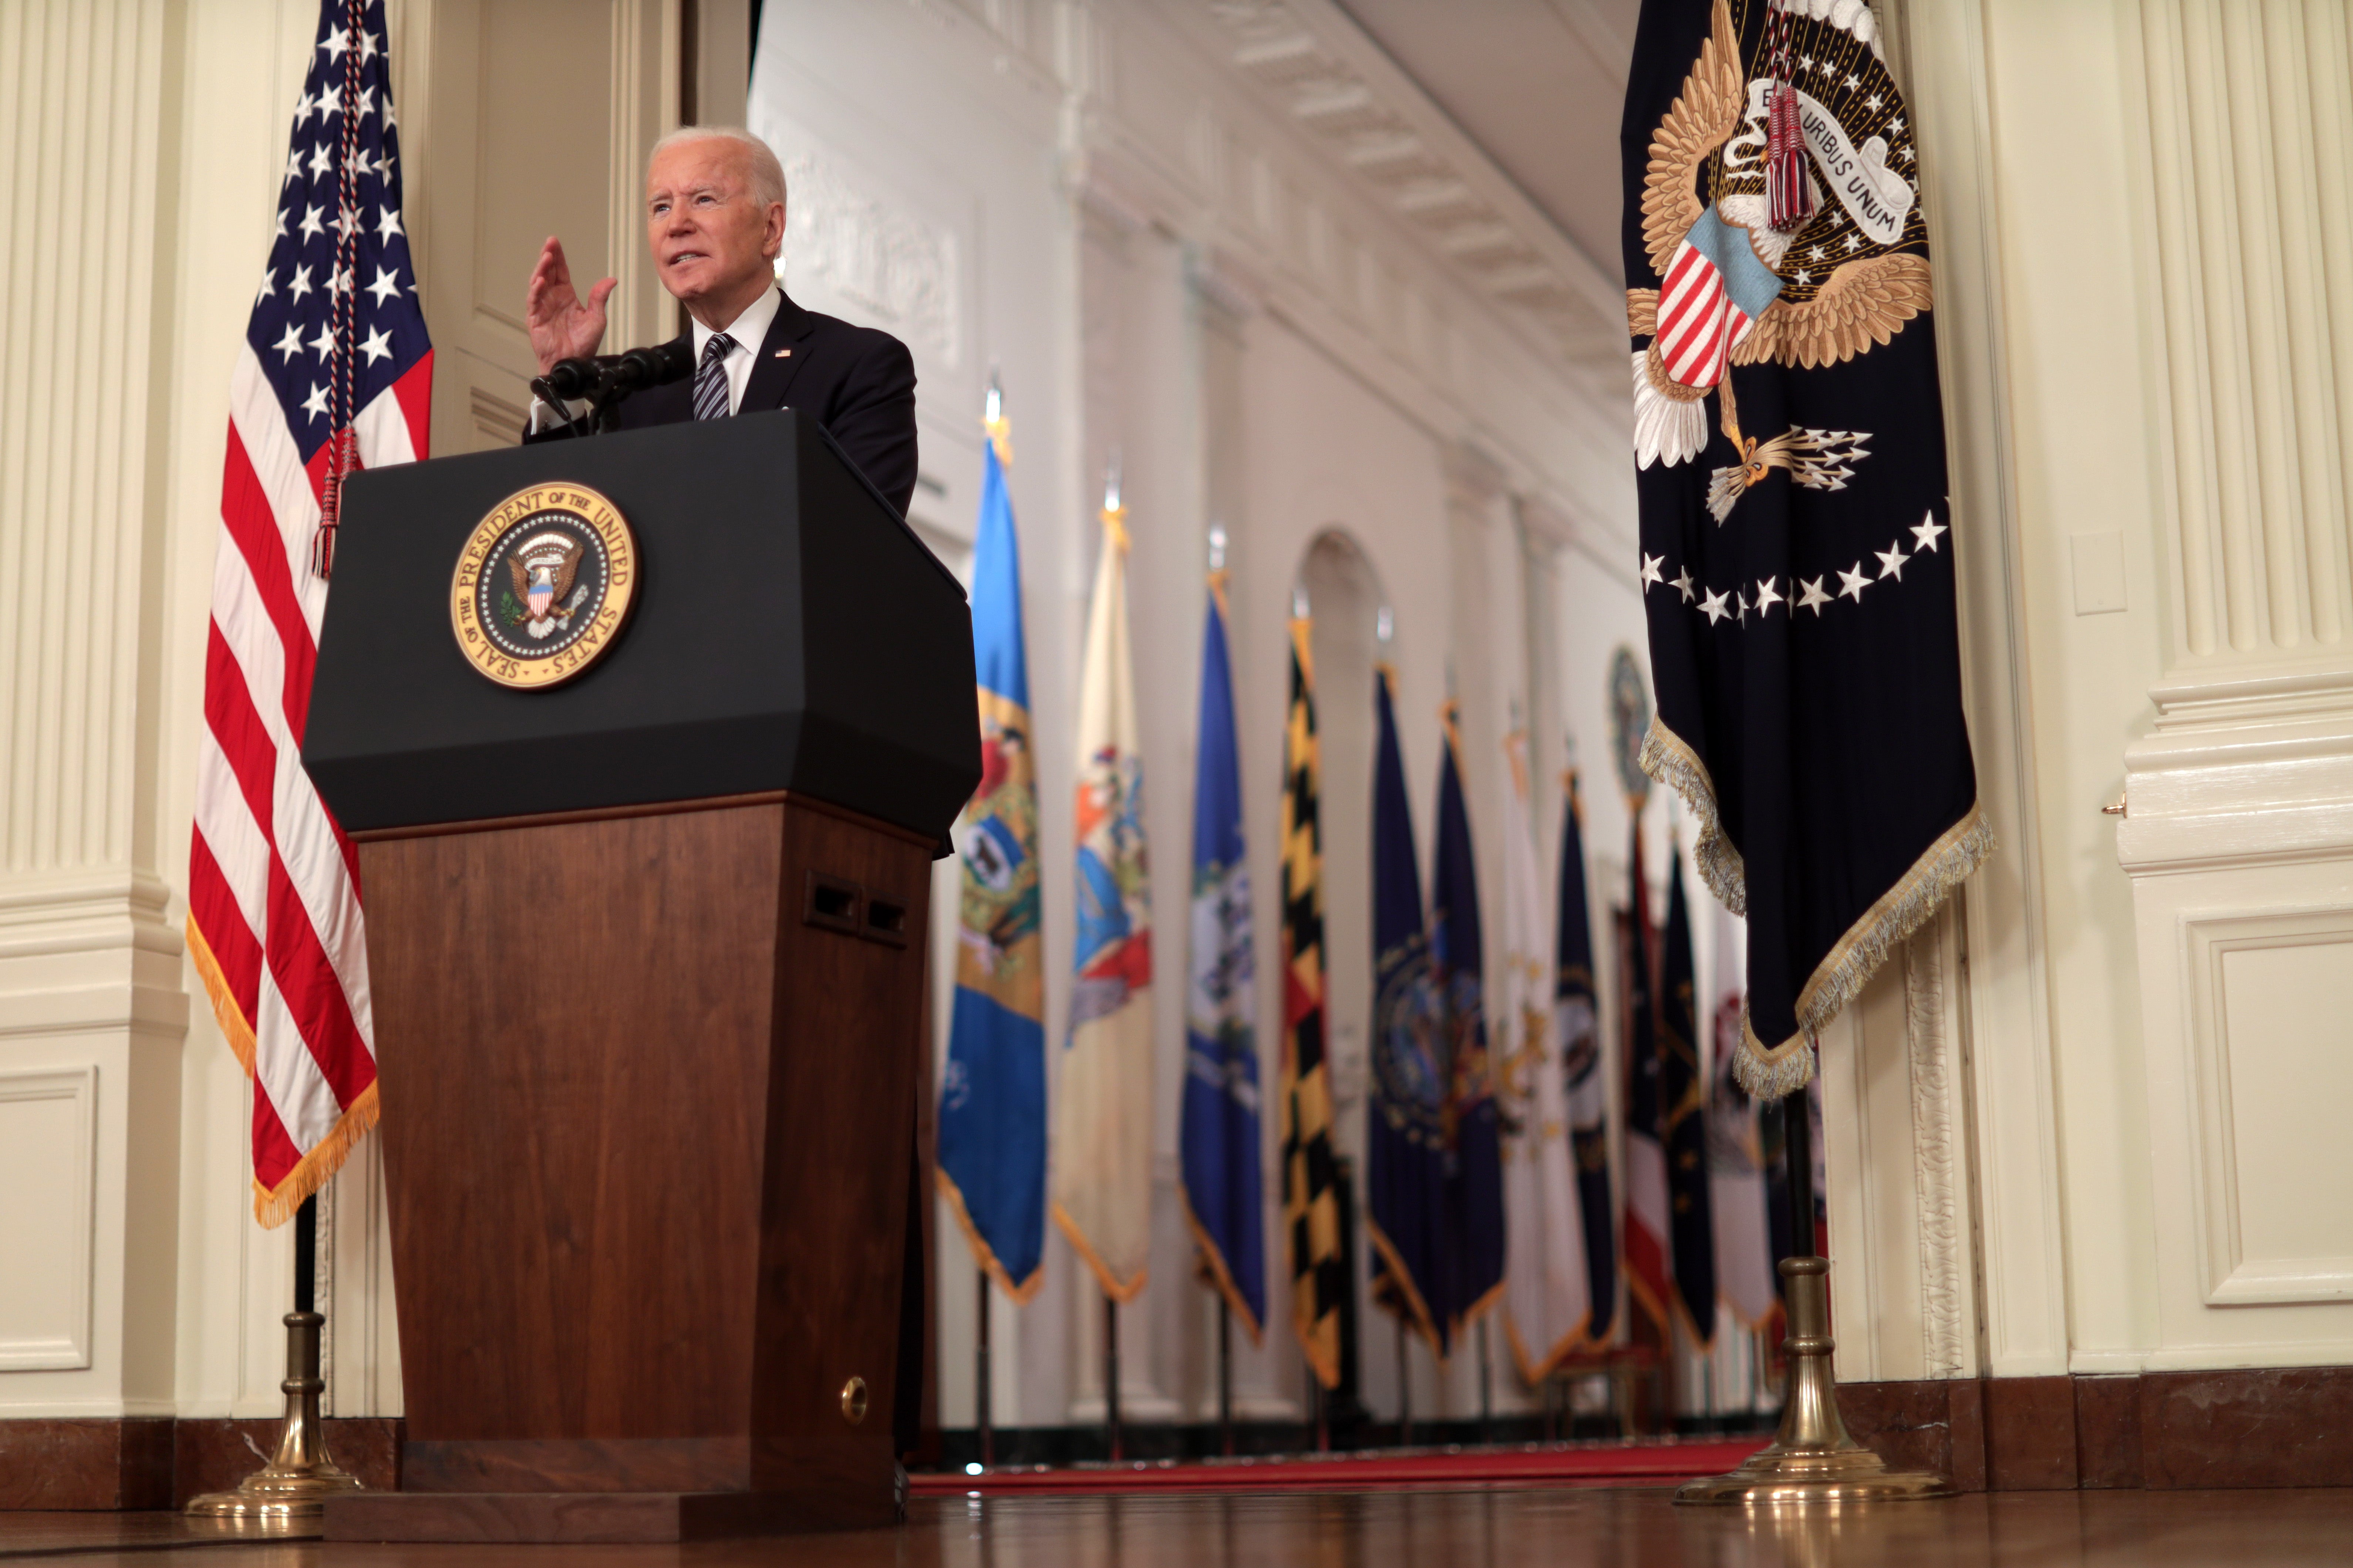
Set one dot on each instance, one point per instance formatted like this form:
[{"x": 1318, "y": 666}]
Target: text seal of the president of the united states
[{"x": 543, "y": 585}]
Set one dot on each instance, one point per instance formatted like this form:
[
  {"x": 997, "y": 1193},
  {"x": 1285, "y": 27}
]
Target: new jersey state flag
[
  {"x": 992, "y": 1149},
  {"x": 1103, "y": 1117}
]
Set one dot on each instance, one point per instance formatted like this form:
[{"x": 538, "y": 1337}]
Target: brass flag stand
[
  {"x": 1812, "y": 1460},
  {"x": 288, "y": 1496}
]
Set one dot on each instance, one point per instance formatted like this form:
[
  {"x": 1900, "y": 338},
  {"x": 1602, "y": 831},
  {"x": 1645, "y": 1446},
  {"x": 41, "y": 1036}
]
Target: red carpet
[{"x": 1595, "y": 1464}]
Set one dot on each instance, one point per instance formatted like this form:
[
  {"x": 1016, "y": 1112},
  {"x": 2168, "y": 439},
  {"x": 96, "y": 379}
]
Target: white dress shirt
[{"x": 747, "y": 331}]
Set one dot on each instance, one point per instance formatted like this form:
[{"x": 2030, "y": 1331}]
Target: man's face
[{"x": 711, "y": 237}]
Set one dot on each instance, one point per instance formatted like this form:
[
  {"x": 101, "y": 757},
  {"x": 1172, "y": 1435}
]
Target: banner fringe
[
  {"x": 225, "y": 1008},
  {"x": 1112, "y": 1287},
  {"x": 1534, "y": 1371},
  {"x": 274, "y": 1206},
  {"x": 1666, "y": 759},
  {"x": 982, "y": 1252},
  {"x": 1417, "y": 1309},
  {"x": 1221, "y": 1279}
]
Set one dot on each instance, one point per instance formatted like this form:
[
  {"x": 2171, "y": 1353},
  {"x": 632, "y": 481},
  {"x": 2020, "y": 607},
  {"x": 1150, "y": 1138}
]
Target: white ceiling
[{"x": 1538, "y": 84}]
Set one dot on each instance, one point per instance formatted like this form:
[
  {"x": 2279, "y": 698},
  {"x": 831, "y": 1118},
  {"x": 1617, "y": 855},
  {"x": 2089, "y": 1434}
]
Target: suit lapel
[{"x": 773, "y": 372}]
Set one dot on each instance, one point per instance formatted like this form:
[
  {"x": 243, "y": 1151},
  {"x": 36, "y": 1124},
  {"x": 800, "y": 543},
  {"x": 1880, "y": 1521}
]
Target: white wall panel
[{"x": 49, "y": 1136}]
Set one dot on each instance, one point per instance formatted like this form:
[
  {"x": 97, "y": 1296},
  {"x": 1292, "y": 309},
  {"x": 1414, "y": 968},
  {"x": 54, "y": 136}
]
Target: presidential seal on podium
[{"x": 543, "y": 586}]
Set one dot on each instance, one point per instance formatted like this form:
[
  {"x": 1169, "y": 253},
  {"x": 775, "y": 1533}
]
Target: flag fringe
[
  {"x": 1666, "y": 759},
  {"x": 1112, "y": 1287},
  {"x": 1417, "y": 1309},
  {"x": 274, "y": 1206},
  {"x": 1769, "y": 1072},
  {"x": 982, "y": 1252},
  {"x": 231, "y": 1016},
  {"x": 1903, "y": 908},
  {"x": 1534, "y": 1371},
  {"x": 1221, "y": 1278}
]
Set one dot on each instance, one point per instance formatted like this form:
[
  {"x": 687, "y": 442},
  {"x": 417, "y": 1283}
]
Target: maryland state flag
[
  {"x": 1683, "y": 1119},
  {"x": 1103, "y": 1111},
  {"x": 1405, "y": 1132},
  {"x": 1795, "y": 554},
  {"x": 1311, "y": 1199},
  {"x": 1577, "y": 1024},
  {"x": 1218, "y": 1133},
  {"x": 992, "y": 1149},
  {"x": 1474, "y": 1170}
]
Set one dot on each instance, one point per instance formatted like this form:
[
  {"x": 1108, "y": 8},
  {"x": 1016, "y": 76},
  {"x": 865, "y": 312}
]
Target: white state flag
[
  {"x": 1544, "y": 1287},
  {"x": 1735, "y": 1167},
  {"x": 1102, "y": 1102}
]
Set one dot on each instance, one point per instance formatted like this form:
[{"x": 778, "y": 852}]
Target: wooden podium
[{"x": 646, "y": 956}]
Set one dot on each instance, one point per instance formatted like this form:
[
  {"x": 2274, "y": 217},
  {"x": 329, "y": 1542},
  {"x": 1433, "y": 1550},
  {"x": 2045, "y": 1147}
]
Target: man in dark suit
[{"x": 715, "y": 219}]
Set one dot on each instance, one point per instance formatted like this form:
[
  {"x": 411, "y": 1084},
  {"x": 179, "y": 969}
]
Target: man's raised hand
[{"x": 562, "y": 325}]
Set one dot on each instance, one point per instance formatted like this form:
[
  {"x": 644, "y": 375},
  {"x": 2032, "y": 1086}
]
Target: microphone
[
  {"x": 655, "y": 366},
  {"x": 570, "y": 378}
]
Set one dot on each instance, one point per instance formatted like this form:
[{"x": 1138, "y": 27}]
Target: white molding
[
  {"x": 2010, "y": 1078},
  {"x": 70, "y": 1353},
  {"x": 2206, "y": 939}
]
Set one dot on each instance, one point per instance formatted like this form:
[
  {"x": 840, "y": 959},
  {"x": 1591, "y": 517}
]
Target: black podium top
[{"x": 788, "y": 631}]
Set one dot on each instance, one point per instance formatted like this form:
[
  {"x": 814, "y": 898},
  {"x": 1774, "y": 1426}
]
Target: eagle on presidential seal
[
  {"x": 543, "y": 569},
  {"x": 1735, "y": 290}
]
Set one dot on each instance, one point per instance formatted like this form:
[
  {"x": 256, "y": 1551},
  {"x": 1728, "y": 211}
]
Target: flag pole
[
  {"x": 1405, "y": 1388},
  {"x": 1486, "y": 1387},
  {"x": 1812, "y": 1460},
  {"x": 286, "y": 1495},
  {"x": 1225, "y": 1378},
  {"x": 984, "y": 1414},
  {"x": 1111, "y": 1376}
]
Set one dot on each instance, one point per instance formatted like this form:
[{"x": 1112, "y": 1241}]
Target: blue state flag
[
  {"x": 1405, "y": 1133},
  {"x": 1224, "y": 1185},
  {"x": 1473, "y": 1147},
  {"x": 992, "y": 1127},
  {"x": 1577, "y": 1024}
]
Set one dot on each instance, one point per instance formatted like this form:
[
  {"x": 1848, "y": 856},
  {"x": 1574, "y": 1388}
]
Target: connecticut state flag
[
  {"x": 1218, "y": 1135},
  {"x": 992, "y": 1149}
]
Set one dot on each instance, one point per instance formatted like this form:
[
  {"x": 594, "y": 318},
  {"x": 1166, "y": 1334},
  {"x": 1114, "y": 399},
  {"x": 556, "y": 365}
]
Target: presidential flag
[
  {"x": 1546, "y": 1300},
  {"x": 1102, "y": 1115},
  {"x": 1218, "y": 1125},
  {"x": 1311, "y": 1199},
  {"x": 1682, "y": 1118},
  {"x": 1474, "y": 1172},
  {"x": 1405, "y": 1133},
  {"x": 334, "y": 374},
  {"x": 1577, "y": 1026},
  {"x": 992, "y": 1124},
  {"x": 1648, "y": 1231},
  {"x": 1735, "y": 1162},
  {"x": 1795, "y": 559}
]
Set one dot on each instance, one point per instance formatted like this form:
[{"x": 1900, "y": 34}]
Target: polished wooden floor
[{"x": 1616, "y": 1526}]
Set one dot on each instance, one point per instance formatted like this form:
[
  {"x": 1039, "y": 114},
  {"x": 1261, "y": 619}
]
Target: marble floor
[{"x": 1581, "y": 1528}]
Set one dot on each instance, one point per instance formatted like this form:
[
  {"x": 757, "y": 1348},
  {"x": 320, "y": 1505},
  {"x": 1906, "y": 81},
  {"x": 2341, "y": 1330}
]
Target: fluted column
[{"x": 91, "y": 1006}]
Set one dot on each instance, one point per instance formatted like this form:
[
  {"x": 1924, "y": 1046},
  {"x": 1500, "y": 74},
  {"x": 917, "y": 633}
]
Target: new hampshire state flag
[
  {"x": 992, "y": 1130},
  {"x": 1103, "y": 1109},
  {"x": 1224, "y": 1189}
]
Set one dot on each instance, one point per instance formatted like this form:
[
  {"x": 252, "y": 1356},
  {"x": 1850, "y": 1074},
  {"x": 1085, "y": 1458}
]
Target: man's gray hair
[{"x": 767, "y": 174}]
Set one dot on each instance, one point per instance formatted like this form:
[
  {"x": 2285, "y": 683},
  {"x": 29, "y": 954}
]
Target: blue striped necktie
[{"x": 711, "y": 378}]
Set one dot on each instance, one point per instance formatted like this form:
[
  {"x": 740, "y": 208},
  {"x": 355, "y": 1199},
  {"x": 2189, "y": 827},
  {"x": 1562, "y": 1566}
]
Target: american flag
[{"x": 336, "y": 372}]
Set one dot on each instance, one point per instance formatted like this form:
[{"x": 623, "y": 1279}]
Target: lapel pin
[{"x": 783, "y": 353}]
